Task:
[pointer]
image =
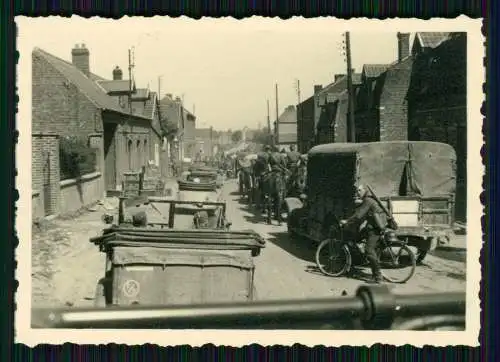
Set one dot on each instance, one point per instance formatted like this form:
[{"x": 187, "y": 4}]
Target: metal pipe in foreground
[{"x": 376, "y": 307}]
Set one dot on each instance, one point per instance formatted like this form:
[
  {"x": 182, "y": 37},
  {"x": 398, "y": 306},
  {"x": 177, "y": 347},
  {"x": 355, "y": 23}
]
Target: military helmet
[{"x": 390, "y": 236}]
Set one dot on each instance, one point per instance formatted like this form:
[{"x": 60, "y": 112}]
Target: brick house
[
  {"x": 173, "y": 110},
  {"x": 421, "y": 96},
  {"x": 438, "y": 99},
  {"x": 333, "y": 104},
  {"x": 69, "y": 100},
  {"x": 382, "y": 105},
  {"x": 287, "y": 127},
  {"x": 305, "y": 124}
]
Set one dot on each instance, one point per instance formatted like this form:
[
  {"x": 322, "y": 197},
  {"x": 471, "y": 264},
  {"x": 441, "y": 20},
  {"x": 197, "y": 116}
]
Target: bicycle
[{"x": 390, "y": 253}]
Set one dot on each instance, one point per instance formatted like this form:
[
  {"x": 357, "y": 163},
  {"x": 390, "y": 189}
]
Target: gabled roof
[
  {"x": 288, "y": 116},
  {"x": 86, "y": 85},
  {"x": 374, "y": 70},
  {"x": 115, "y": 86},
  {"x": 431, "y": 39},
  {"x": 141, "y": 94},
  {"x": 332, "y": 91}
]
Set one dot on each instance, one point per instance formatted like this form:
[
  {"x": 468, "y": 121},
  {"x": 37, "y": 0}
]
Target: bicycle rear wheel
[
  {"x": 397, "y": 263},
  {"x": 333, "y": 258}
]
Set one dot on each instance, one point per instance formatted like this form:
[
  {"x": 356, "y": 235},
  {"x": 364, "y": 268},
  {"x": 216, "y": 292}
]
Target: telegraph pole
[
  {"x": 277, "y": 117},
  {"x": 159, "y": 86},
  {"x": 350, "y": 92},
  {"x": 130, "y": 66},
  {"x": 298, "y": 91},
  {"x": 269, "y": 122}
]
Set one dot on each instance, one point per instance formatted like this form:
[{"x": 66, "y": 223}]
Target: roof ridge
[{"x": 45, "y": 53}]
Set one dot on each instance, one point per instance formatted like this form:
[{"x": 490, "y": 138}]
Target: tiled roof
[
  {"x": 341, "y": 84},
  {"x": 288, "y": 116},
  {"x": 374, "y": 70},
  {"x": 432, "y": 39},
  {"x": 115, "y": 86},
  {"x": 86, "y": 85},
  {"x": 141, "y": 94}
]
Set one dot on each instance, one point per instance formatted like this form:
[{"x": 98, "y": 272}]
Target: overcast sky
[{"x": 225, "y": 67}]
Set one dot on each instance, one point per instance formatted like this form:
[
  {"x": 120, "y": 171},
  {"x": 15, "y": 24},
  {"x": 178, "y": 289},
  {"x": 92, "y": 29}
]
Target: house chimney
[
  {"x": 117, "y": 73},
  {"x": 317, "y": 88},
  {"x": 337, "y": 77},
  {"x": 80, "y": 58},
  {"x": 178, "y": 99},
  {"x": 403, "y": 46}
]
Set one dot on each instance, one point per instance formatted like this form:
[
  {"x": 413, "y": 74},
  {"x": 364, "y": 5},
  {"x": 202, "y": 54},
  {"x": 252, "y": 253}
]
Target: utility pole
[
  {"x": 297, "y": 111},
  {"x": 130, "y": 66},
  {"x": 269, "y": 122},
  {"x": 350, "y": 92},
  {"x": 159, "y": 86},
  {"x": 298, "y": 91},
  {"x": 277, "y": 117},
  {"x": 194, "y": 109}
]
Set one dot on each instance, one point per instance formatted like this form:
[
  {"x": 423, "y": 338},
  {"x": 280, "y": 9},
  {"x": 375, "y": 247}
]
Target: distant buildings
[
  {"x": 286, "y": 128},
  {"x": 420, "y": 96}
]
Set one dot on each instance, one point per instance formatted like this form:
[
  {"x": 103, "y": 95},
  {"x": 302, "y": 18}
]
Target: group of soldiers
[{"x": 287, "y": 170}]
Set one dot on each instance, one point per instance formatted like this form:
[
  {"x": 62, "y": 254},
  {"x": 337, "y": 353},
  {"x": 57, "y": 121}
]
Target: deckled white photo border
[{"x": 475, "y": 78}]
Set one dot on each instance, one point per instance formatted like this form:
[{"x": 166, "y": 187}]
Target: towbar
[{"x": 373, "y": 308}]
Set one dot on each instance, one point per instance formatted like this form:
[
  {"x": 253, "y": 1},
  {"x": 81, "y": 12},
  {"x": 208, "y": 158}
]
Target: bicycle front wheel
[
  {"x": 333, "y": 258},
  {"x": 397, "y": 263}
]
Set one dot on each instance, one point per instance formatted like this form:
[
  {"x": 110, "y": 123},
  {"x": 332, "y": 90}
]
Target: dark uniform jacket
[
  {"x": 292, "y": 158},
  {"x": 370, "y": 211},
  {"x": 277, "y": 161}
]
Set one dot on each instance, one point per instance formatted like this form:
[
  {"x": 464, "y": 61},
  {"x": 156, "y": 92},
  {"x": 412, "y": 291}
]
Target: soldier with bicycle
[{"x": 376, "y": 222}]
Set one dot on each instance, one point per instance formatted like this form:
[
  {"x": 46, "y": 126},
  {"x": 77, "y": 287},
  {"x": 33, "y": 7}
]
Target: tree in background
[
  {"x": 262, "y": 137},
  {"x": 236, "y": 136},
  {"x": 169, "y": 128}
]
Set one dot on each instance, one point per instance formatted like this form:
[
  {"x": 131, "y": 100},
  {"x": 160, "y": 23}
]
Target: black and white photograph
[{"x": 259, "y": 178}]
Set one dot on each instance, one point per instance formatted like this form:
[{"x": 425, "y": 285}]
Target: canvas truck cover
[
  {"x": 164, "y": 276},
  {"x": 398, "y": 168},
  {"x": 178, "y": 239}
]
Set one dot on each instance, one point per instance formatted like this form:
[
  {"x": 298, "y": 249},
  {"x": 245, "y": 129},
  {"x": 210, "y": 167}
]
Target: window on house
[
  {"x": 138, "y": 154},
  {"x": 129, "y": 154}
]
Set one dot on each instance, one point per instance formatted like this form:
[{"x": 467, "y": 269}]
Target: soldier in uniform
[
  {"x": 292, "y": 157},
  {"x": 376, "y": 223}
]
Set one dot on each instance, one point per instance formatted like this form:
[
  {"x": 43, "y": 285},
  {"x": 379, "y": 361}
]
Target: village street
[{"x": 66, "y": 266}]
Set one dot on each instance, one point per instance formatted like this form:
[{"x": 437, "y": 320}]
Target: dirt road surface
[{"x": 66, "y": 266}]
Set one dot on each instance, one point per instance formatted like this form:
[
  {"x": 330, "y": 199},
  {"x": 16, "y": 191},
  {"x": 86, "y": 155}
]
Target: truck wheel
[{"x": 100, "y": 295}]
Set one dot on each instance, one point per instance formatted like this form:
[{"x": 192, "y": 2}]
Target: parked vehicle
[
  {"x": 206, "y": 173},
  {"x": 372, "y": 308},
  {"x": 199, "y": 186},
  {"x": 156, "y": 263},
  {"x": 414, "y": 180}
]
